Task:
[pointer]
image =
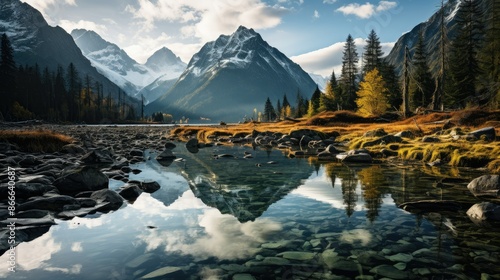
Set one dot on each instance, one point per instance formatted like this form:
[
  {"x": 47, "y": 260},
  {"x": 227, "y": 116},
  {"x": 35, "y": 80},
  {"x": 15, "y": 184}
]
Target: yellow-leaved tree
[{"x": 372, "y": 100}]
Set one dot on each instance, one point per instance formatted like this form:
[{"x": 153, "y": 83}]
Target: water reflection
[{"x": 230, "y": 216}]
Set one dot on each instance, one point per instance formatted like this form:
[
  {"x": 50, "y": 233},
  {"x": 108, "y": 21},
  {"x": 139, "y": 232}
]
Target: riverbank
[{"x": 457, "y": 139}]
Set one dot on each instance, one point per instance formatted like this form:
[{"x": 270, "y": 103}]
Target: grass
[
  {"x": 352, "y": 127},
  {"x": 35, "y": 141}
]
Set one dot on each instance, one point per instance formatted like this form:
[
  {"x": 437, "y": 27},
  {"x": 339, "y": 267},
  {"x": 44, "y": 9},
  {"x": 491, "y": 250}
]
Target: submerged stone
[
  {"x": 298, "y": 256},
  {"x": 163, "y": 272},
  {"x": 485, "y": 186}
]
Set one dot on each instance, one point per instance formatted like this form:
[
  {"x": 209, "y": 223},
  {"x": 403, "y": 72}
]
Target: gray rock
[
  {"x": 345, "y": 267},
  {"x": 354, "y": 157},
  {"x": 375, "y": 133},
  {"x": 55, "y": 203},
  {"x": 150, "y": 186},
  {"x": 26, "y": 190},
  {"x": 136, "y": 153},
  {"x": 243, "y": 276},
  {"x": 170, "y": 146},
  {"x": 298, "y": 256},
  {"x": 488, "y": 133},
  {"x": 405, "y": 134},
  {"x": 81, "y": 179},
  {"x": 430, "y": 139},
  {"x": 484, "y": 212},
  {"x": 383, "y": 140},
  {"x": 192, "y": 143},
  {"x": 164, "y": 272},
  {"x": 391, "y": 272},
  {"x": 35, "y": 213},
  {"x": 333, "y": 150},
  {"x": 372, "y": 259},
  {"x": 98, "y": 156},
  {"x": 130, "y": 192},
  {"x": 86, "y": 202},
  {"x": 111, "y": 200},
  {"x": 485, "y": 186},
  {"x": 166, "y": 155}
]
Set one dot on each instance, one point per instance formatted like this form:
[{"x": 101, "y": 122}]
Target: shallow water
[{"x": 273, "y": 218}]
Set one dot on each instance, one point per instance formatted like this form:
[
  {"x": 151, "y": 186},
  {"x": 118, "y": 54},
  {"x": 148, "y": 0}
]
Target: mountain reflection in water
[{"x": 268, "y": 216}]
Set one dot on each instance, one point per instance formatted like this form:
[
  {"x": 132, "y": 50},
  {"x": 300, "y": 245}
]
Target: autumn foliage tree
[{"x": 372, "y": 100}]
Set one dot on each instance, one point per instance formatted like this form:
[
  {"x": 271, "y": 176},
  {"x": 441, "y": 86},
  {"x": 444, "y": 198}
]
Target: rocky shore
[{"x": 74, "y": 181}]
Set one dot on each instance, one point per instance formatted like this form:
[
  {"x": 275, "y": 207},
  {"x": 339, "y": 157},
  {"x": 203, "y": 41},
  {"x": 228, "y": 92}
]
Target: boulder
[
  {"x": 484, "y": 212},
  {"x": 107, "y": 200},
  {"x": 405, "y": 134},
  {"x": 383, "y": 140},
  {"x": 54, "y": 203},
  {"x": 488, "y": 133},
  {"x": 130, "y": 192},
  {"x": 333, "y": 150},
  {"x": 375, "y": 133},
  {"x": 166, "y": 155},
  {"x": 136, "y": 153},
  {"x": 26, "y": 190},
  {"x": 98, "y": 156},
  {"x": 150, "y": 186},
  {"x": 81, "y": 179},
  {"x": 355, "y": 156},
  {"x": 297, "y": 134},
  {"x": 170, "y": 146},
  {"x": 430, "y": 139},
  {"x": 485, "y": 186},
  {"x": 192, "y": 145}
]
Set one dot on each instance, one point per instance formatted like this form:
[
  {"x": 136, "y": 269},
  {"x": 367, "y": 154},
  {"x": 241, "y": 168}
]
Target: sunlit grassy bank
[
  {"x": 35, "y": 140},
  {"x": 451, "y": 149}
]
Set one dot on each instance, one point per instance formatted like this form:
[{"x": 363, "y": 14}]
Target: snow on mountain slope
[{"x": 132, "y": 77}]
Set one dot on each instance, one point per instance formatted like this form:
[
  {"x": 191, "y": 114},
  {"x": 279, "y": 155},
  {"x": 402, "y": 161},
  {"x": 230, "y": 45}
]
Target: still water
[{"x": 270, "y": 217}]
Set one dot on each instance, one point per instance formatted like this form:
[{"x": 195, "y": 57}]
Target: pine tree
[
  {"x": 421, "y": 84},
  {"x": 489, "y": 56},
  {"x": 299, "y": 106},
  {"x": 372, "y": 101},
  {"x": 331, "y": 98},
  {"x": 441, "y": 76},
  {"x": 269, "y": 112},
  {"x": 7, "y": 75},
  {"x": 464, "y": 64},
  {"x": 348, "y": 83},
  {"x": 391, "y": 79},
  {"x": 316, "y": 96},
  {"x": 278, "y": 109},
  {"x": 372, "y": 57},
  {"x": 285, "y": 101},
  {"x": 74, "y": 89}
]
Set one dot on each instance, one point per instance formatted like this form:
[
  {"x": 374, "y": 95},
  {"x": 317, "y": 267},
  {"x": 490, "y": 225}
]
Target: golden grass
[
  {"x": 36, "y": 140},
  {"x": 352, "y": 128}
]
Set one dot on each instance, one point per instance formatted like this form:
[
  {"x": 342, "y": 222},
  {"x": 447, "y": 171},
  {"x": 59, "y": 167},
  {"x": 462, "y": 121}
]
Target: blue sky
[{"x": 311, "y": 32}]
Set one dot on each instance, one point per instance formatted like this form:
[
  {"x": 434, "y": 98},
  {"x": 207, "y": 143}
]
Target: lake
[{"x": 271, "y": 217}]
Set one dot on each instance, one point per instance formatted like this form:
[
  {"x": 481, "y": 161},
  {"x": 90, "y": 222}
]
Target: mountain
[
  {"x": 35, "y": 42},
  {"x": 230, "y": 77},
  {"x": 431, "y": 32},
  {"x": 159, "y": 73},
  {"x": 321, "y": 81}
]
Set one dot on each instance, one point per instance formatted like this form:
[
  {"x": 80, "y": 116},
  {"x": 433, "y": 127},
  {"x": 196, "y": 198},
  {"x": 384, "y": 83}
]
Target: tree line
[
  {"x": 468, "y": 72},
  {"x": 63, "y": 95}
]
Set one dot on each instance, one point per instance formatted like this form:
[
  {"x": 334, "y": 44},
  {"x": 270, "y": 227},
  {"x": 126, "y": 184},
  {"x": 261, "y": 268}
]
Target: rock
[
  {"x": 41, "y": 179},
  {"x": 34, "y": 213},
  {"x": 405, "y": 258},
  {"x": 26, "y": 190},
  {"x": 346, "y": 267},
  {"x": 484, "y": 212},
  {"x": 485, "y": 186},
  {"x": 110, "y": 200},
  {"x": 391, "y": 272},
  {"x": 297, "y": 134},
  {"x": 98, "y": 156},
  {"x": 81, "y": 179},
  {"x": 243, "y": 276},
  {"x": 488, "y": 133},
  {"x": 375, "y": 133},
  {"x": 136, "y": 153},
  {"x": 30, "y": 222},
  {"x": 150, "y": 186},
  {"x": 426, "y": 206},
  {"x": 192, "y": 143},
  {"x": 372, "y": 259},
  {"x": 54, "y": 203},
  {"x": 329, "y": 257},
  {"x": 72, "y": 149},
  {"x": 405, "y": 134},
  {"x": 383, "y": 140},
  {"x": 275, "y": 261},
  {"x": 170, "y": 146},
  {"x": 130, "y": 192},
  {"x": 333, "y": 150},
  {"x": 164, "y": 272},
  {"x": 140, "y": 136},
  {"x": 166, "y": 155},
  {"x": 388, "y": 153},
  {"x": 430, "y": 139},
  {"x": 141, "y": 260},
  {"x": 354, "y": 157},
  {"x": 86, "y": 202},
  {"x": 297, "y": 256}
]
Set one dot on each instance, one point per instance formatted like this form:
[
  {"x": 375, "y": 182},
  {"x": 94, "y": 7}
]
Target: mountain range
[
  {"x": 231, "y": 76},
  {"x": 35, "y": 42},
  {"x": 150, "y": 80}
]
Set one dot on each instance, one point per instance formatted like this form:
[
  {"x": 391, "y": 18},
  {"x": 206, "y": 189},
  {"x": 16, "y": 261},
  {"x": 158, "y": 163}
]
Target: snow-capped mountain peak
[{"x": 134, "y": 78}]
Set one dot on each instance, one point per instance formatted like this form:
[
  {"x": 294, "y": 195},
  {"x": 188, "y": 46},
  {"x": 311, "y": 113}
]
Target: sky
[{"x": 311, "y": 32}]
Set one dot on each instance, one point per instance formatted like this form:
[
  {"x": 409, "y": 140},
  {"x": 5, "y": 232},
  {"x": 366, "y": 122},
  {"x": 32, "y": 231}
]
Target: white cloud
[
  {"x": 206, "y": 20},
  {"x": 83, "y": 24},
  {"x": 144, "y": 46},
  {"x": 316, "y": 14},
  {"x": 324, "y": 60},
  {"x": 366, "y": 10}
]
